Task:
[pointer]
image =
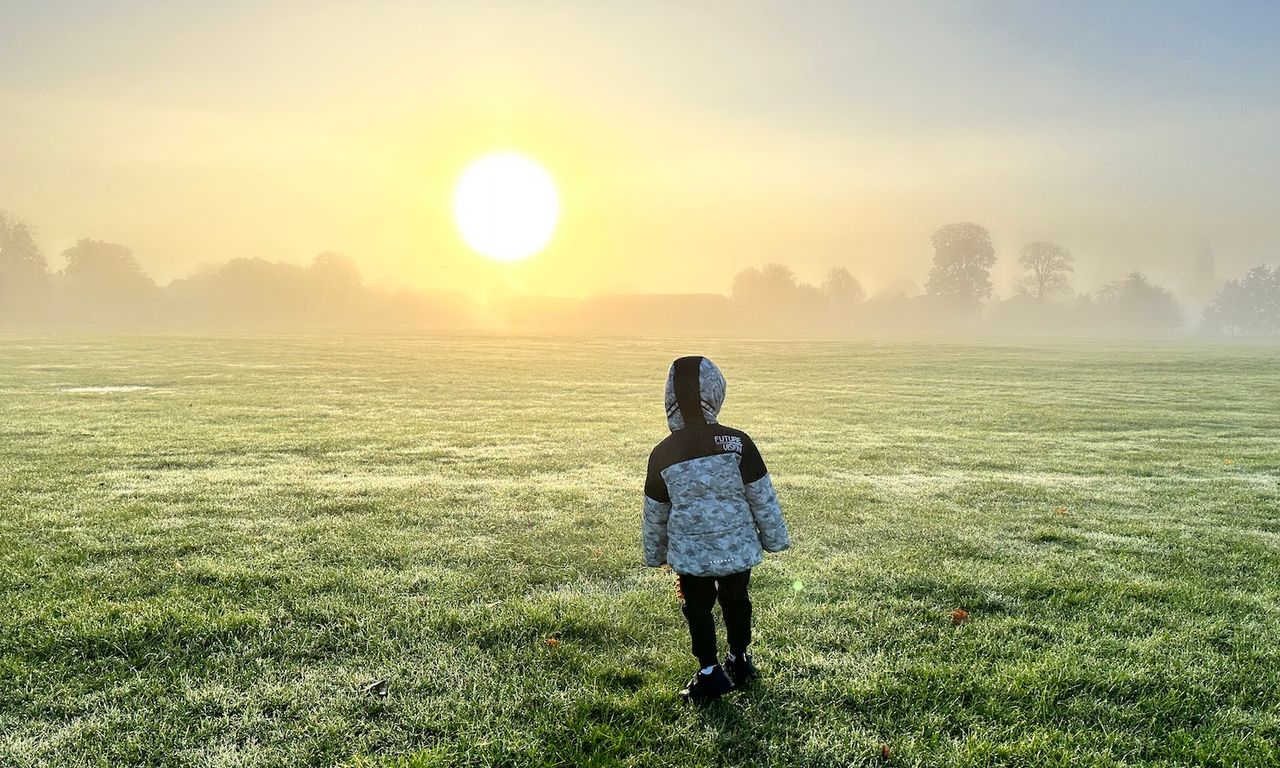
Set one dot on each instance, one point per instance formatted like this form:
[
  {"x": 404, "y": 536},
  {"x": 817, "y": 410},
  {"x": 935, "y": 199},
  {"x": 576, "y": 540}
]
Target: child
[{"x": 709, "y": 511}]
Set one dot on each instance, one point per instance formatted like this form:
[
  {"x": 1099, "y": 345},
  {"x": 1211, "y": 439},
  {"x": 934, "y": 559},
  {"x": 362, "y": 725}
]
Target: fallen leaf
[
  {"x": 177, "y": 564},
  {"x": 885, "y": 754},
  {"x": 551, "y": 642},
  {"x": 1061, "y": 511},
  {"x": 1226, "y": 462},
  {"x": 379, "y": 688},
  {"x": 959, "y": 616}
]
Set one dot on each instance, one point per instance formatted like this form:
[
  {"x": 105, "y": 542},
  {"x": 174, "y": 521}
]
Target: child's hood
[{"x": 695, "y": 392}]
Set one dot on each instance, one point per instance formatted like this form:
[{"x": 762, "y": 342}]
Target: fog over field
[
  {"x": 687, "y": 145},
  {"x": 104, "y": 286},
  {"x": 336, "y": 339}
]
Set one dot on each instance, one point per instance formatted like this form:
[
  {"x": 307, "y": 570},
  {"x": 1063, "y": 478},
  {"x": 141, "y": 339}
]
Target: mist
[
  {"x": 689, "y": 144},
  {"x": 102, "y": 285}
]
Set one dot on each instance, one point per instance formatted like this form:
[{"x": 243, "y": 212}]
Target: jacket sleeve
[
  {"x": 763, "y": 500},
  {"x": 657, "y": 509}
]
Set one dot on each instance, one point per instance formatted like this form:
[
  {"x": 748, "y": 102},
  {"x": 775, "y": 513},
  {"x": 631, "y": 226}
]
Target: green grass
[{"x": 206, "y": 572}]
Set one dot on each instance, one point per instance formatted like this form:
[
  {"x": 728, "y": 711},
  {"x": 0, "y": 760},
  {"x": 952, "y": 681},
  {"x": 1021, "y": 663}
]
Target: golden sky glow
[{"x": 686, "y": 141}]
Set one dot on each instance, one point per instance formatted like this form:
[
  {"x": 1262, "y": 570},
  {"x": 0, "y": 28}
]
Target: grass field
[{"x": 205, "y": 568}]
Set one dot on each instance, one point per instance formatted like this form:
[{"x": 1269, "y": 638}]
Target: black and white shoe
[
  {"x": 741, "y": 669},
  {"x": 706, "y": 687}
]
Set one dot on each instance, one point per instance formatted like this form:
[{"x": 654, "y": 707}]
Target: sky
[{"x": 688, "y": 140}]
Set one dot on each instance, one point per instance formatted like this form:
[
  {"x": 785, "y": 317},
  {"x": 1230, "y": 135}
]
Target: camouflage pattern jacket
[{"x": 709, "y": 505}]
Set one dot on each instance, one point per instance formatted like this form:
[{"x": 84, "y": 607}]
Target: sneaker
[
  {"x": 741, "y": 669},
  {"x": 706, "y": 688}
]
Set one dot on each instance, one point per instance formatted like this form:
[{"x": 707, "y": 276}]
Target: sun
[{"x": 506, "y": 206}]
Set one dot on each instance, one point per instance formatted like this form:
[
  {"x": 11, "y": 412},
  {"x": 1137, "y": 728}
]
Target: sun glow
[{"x": 506, "y": 206}]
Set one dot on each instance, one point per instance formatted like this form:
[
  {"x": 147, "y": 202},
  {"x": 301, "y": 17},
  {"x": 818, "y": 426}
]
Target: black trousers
[{"x": 699, "y": 595}]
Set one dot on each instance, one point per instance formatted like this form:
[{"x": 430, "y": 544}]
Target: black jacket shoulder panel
[
  {"x": 696, "y": 442},
  {"x": 752, "y": 464}
]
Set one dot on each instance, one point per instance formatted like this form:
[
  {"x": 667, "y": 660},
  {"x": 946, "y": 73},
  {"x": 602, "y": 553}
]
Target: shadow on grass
[{"x": 738, "y": 722}]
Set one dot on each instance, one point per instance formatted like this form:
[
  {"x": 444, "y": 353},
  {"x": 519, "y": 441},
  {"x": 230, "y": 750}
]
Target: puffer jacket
[{"x": 709, "y": 506}]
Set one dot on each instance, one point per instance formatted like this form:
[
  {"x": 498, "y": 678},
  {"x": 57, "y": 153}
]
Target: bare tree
[{"x": 1045, "y": 266}]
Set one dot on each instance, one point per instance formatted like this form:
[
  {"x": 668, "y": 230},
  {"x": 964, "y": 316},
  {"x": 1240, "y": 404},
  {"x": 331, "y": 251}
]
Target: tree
[
  {"x": 1133, "y": 304},
  {"x": 745, "y": 284},
  {"x": 772, "y": 296},
  {"x": 1249, "y": 306},
  {"x": 962, "y": 260},
  {"x": 336, "y": 271},
  {"x": 778, "y": 278},
  {"x": 24, "y": 273},
  {"x": 337, "y": 287},
  {"x": 251, "y": 292},
  {"x": 842, "y": 287},
  {"x": 772, "y": 284},
  {"x": 103, "y": 282},
  {"x": 1046, "y": 267}
]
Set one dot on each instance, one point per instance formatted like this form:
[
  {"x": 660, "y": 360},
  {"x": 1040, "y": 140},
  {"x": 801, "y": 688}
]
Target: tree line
[
  {"x": 1043, "y": 301},
  {"x": 102, "y": 285}
]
